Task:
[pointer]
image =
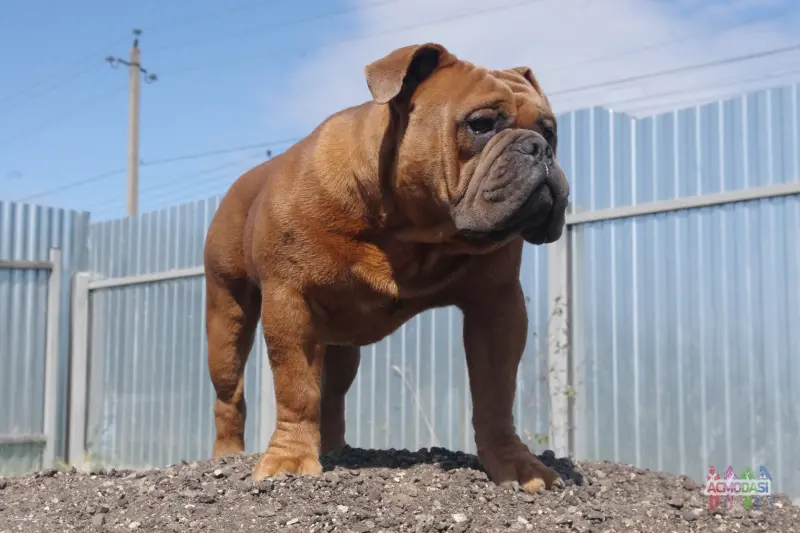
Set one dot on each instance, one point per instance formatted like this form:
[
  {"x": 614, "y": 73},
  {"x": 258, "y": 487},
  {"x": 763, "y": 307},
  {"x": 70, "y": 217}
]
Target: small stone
[
  {"x": 134, "y": 525},
  {"x": 363, "y": 527},
  {"x": 401, "y": 500},
  {"x": 332, "y": 477},
  {"x": 3, "y": 484},
  {"x": 677, "y": 503},
  {"x": 342, "y": 508},
  {"x": 218, "y": 473},
  {"x": 460, "y": 517},
  {"x": 292, "y": 521},
  {"x": 98, "y": 520},
  {"x": 206, "y": 498},
  {"x": 564, "y": 520},
  {"x": 690, "y": 515},
  {"x": 690, "y": 484},
  {"x": 627, "y": 522}
]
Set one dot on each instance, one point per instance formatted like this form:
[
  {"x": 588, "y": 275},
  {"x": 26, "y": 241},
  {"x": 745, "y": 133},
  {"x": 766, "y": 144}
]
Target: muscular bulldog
[{"x": 419, "y": 198}]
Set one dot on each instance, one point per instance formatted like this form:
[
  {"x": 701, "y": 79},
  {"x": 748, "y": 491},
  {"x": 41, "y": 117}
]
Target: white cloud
[{"x": 568, "y": 44}]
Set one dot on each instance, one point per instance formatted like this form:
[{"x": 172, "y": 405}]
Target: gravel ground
[{"x": 427, "y": 491}]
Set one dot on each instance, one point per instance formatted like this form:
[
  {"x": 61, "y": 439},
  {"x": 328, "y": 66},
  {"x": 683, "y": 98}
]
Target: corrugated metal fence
[
  {"x": 40, "y": 250},
  {"x": 677, "y": 288},
  {"x": 685, "y": 345}
]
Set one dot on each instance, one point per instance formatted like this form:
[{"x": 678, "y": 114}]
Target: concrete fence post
[
  {"x": 52, "y": 346},
  {"x": 78, "y": 371},
  {"x": 558, "y": 344}
]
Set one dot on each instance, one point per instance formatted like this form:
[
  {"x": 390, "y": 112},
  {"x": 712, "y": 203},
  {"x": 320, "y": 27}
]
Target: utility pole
[{"x": 135, "y": 71}]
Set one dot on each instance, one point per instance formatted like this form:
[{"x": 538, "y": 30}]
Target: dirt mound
[{"x": 426, "y": 491}]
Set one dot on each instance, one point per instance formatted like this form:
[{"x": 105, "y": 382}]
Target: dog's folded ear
[
  {"x": 527, "y": 73},
  {"x": 398, "y": 74}
]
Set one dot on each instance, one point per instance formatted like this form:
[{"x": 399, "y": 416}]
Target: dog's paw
[
  {"x": 227, "y": 447},
  {"x": 514, "y": 463},
  {"x": 272, "y": 465}
]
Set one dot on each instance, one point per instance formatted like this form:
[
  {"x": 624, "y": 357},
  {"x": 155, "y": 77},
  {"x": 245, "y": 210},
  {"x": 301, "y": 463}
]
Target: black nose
[{"x": 538, "y": 147}]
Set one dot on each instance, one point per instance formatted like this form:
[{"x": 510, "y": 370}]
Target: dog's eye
[
  {"x": 481, "y": 125},
  {"x": 549, "y": 133}
]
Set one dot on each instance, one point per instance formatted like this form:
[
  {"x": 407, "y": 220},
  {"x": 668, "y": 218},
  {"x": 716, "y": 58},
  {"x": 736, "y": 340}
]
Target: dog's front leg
[
  {"x": 297, "y": 361},
  {"x": 495, "y": 330}
]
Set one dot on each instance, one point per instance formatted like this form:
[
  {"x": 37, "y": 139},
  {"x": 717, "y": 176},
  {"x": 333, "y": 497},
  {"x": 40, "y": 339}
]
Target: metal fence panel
[
  {"x": 682, "y": 335},
  {"x": 28, "y": 232}
]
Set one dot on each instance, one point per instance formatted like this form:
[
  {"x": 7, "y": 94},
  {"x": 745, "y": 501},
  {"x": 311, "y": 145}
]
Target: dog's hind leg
[
  {"x": 340, "y": 369},
  {"x": 232, "y": 313}
]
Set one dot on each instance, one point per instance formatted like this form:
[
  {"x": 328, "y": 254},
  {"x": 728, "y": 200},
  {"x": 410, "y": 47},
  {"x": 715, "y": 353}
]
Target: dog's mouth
[{"x": 517, "y": 188}]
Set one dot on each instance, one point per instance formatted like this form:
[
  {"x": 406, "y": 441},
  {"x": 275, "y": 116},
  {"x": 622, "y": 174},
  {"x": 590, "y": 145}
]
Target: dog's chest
[
  {"x": 379, "y": 296},
  {"x": 361, "y": 317}
]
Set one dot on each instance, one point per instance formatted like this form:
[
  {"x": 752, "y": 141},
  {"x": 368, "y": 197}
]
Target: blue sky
[{"x": 243, "y": 72}]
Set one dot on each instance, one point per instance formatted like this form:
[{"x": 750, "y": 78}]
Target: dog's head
[{"x": 474, "y": 149}]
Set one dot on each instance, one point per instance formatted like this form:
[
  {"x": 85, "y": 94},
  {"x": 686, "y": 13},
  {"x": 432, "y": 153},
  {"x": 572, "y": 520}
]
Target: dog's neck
[{"x": 382, "y": 128}]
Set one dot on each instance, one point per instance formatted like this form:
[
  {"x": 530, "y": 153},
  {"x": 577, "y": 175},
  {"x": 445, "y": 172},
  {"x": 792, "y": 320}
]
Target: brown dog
[{"x": 418, "y": 199}]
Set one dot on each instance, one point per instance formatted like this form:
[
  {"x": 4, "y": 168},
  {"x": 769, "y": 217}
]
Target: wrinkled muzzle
[{"x": 517, "y": 187}]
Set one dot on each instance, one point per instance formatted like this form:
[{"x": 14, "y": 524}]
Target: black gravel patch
[{"x": 373, "y": 491}]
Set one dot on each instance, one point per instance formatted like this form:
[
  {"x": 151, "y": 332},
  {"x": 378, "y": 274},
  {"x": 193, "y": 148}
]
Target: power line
[
  {"x": 219, "y": 184},
  {"x": 179, "y": 184},
  {"x": 676, "y": 70},
  {"x": 204, "y": 192},
  {"x": 26, "y": 90},
  {"x": 70, "y": 110},
  {"x": 463, "y": 16},
  {"x": 211, "y": 153},
  {"x": 162, "y": 161},
  {"x": 207, "y": 15},
  {"x": 73, "y": 184},
  {"x": 788, "y": 75},
  {"x": 661, "y": 44},
  {"x": 216, "y": 181},
  {"x": 33, "y": 95},
  {"x": 683, "y": 91},
  {"x": 210, "y": 40}
]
